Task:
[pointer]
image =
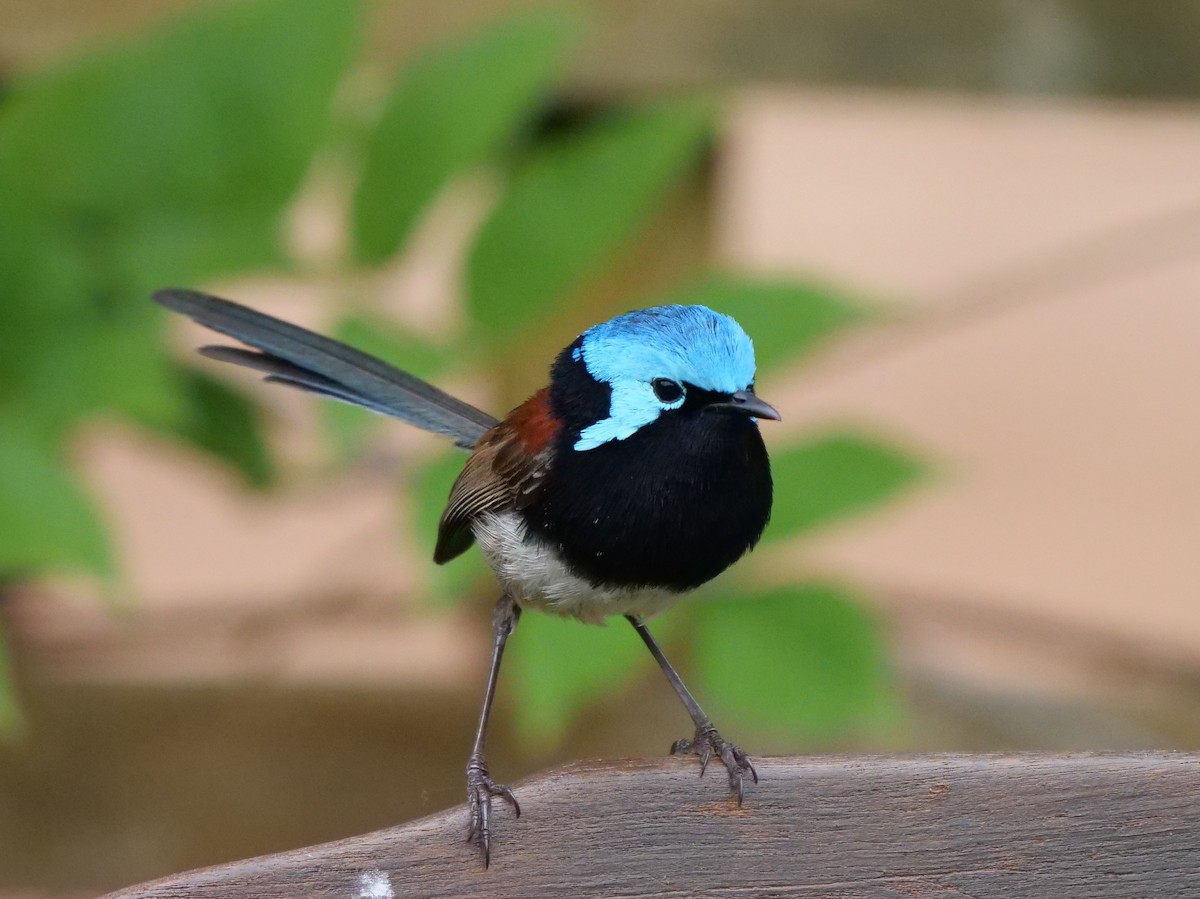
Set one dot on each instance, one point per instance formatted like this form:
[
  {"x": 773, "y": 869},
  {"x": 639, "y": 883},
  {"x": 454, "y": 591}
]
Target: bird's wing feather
[
  {"x": 299, "y": 358},
  {"x": 503, "y": 473}
]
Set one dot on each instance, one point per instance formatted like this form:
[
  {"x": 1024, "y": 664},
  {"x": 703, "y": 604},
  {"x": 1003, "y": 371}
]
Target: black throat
[{"x": 671, "y": 506}]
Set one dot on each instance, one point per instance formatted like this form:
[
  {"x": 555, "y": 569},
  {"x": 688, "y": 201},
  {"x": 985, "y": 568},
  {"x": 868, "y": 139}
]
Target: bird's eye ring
[{"x": 666, "y": 390}]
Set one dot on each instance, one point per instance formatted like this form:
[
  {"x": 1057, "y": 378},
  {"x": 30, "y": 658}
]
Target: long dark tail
[{"x": 298, "y": 357}]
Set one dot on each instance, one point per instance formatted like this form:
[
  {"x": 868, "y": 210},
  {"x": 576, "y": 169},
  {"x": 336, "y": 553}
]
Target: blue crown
[{"x": 688, "y": 344}]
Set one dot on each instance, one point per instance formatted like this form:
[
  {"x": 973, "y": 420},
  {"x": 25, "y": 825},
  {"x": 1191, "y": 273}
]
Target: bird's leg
[
  {"x": 707, "y": 742},
  {"x": 480, "y": 787}
]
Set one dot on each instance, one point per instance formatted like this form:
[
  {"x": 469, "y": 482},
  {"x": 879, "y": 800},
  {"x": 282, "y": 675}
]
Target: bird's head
[{"x": 631, "y": 371}]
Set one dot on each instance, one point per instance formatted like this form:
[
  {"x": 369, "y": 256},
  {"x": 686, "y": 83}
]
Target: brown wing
[{"x": 503, "y": 472}]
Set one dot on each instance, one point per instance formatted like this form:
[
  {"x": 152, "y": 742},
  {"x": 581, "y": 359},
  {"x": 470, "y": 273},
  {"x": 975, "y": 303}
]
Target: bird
[{"x": 637, "y": 474}]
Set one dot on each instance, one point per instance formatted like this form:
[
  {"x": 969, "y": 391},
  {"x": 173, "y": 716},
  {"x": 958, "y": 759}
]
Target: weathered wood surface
[{"x": 980, "y": 826}]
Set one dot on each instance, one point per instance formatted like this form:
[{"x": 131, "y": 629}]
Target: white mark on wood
[{"x": 375, "y": 885}]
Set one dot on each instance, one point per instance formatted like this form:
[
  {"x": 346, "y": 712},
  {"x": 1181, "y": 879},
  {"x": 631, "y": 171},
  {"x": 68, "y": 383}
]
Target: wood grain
[{"x": 976, "y": 826}]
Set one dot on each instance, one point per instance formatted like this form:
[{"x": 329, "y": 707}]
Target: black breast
[{"x": 671, "y": 506}]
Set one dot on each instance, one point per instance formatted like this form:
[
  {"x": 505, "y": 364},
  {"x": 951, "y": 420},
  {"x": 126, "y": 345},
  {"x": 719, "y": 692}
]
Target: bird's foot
[
  {"x": 480, "y": 790},
  {"x": 707, "y": 743}
]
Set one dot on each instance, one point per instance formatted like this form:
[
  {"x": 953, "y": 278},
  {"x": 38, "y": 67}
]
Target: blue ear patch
[{"x": 687, "y": 344}]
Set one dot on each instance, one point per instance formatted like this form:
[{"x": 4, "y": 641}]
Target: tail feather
[{"x": 291, "y": 355}]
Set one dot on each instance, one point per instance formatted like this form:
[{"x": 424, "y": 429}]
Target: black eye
[{"x": 666, "y": 390}]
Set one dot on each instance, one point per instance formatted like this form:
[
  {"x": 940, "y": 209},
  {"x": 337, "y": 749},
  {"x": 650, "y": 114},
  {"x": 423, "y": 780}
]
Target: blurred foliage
[
  {"x": 171, "y": 159},
  {"x": 10, "y": 712},
  {"x": 803, "y": 657},
  {"x": 443, "y": 118},
  {"x": 217, "y": 418},
  {"x": 46, "y": 521},
  {"x": 831, "y": 477},
  {"x": 572, "y": 204},
  {"x": 559, "y": 665}
]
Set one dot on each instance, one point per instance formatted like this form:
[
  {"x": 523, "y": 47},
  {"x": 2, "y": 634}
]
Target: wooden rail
[{"x": 979, "y": 826}]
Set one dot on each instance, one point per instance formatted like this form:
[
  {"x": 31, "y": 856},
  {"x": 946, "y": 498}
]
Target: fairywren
[{"x": 637, "y": 475}]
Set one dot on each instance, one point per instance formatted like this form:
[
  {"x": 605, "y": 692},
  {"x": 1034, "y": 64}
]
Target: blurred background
[{"x": 966, "y": 241}]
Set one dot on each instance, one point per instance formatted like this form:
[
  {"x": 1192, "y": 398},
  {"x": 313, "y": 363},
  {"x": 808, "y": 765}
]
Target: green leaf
[
  {"x": 801, "y": 659},
  {"x": 96, "y": 362},
  {"x": 832, "y": 477},
  {"x": 573, "y": 205},
  {"x": 348, "y": 427},
  {"x": 219, "y": 114},
  {"x": 558, "y": 665},
  {"x": 785, "y": 319},
  {"x": 430, "y": 488},
  {"x": 46, "y": 520},
  {"x": 451, "y": 109},
  {"x": 169, "y": 158},
  {"x": 224, "y": 422},
  {"x": 71, "y": 342}
]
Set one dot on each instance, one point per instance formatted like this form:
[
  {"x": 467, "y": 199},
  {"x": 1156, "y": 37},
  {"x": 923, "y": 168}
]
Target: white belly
[{"x": 536, "y": 579}]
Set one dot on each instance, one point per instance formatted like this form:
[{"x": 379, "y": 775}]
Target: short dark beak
[{"x": 747, "y": 403}]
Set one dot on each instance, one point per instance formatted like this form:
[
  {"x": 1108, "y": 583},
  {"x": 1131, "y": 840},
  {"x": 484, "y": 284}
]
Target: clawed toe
[
  {"x": 480, "y": 791},
  {"x": 707, "y": 743}
]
